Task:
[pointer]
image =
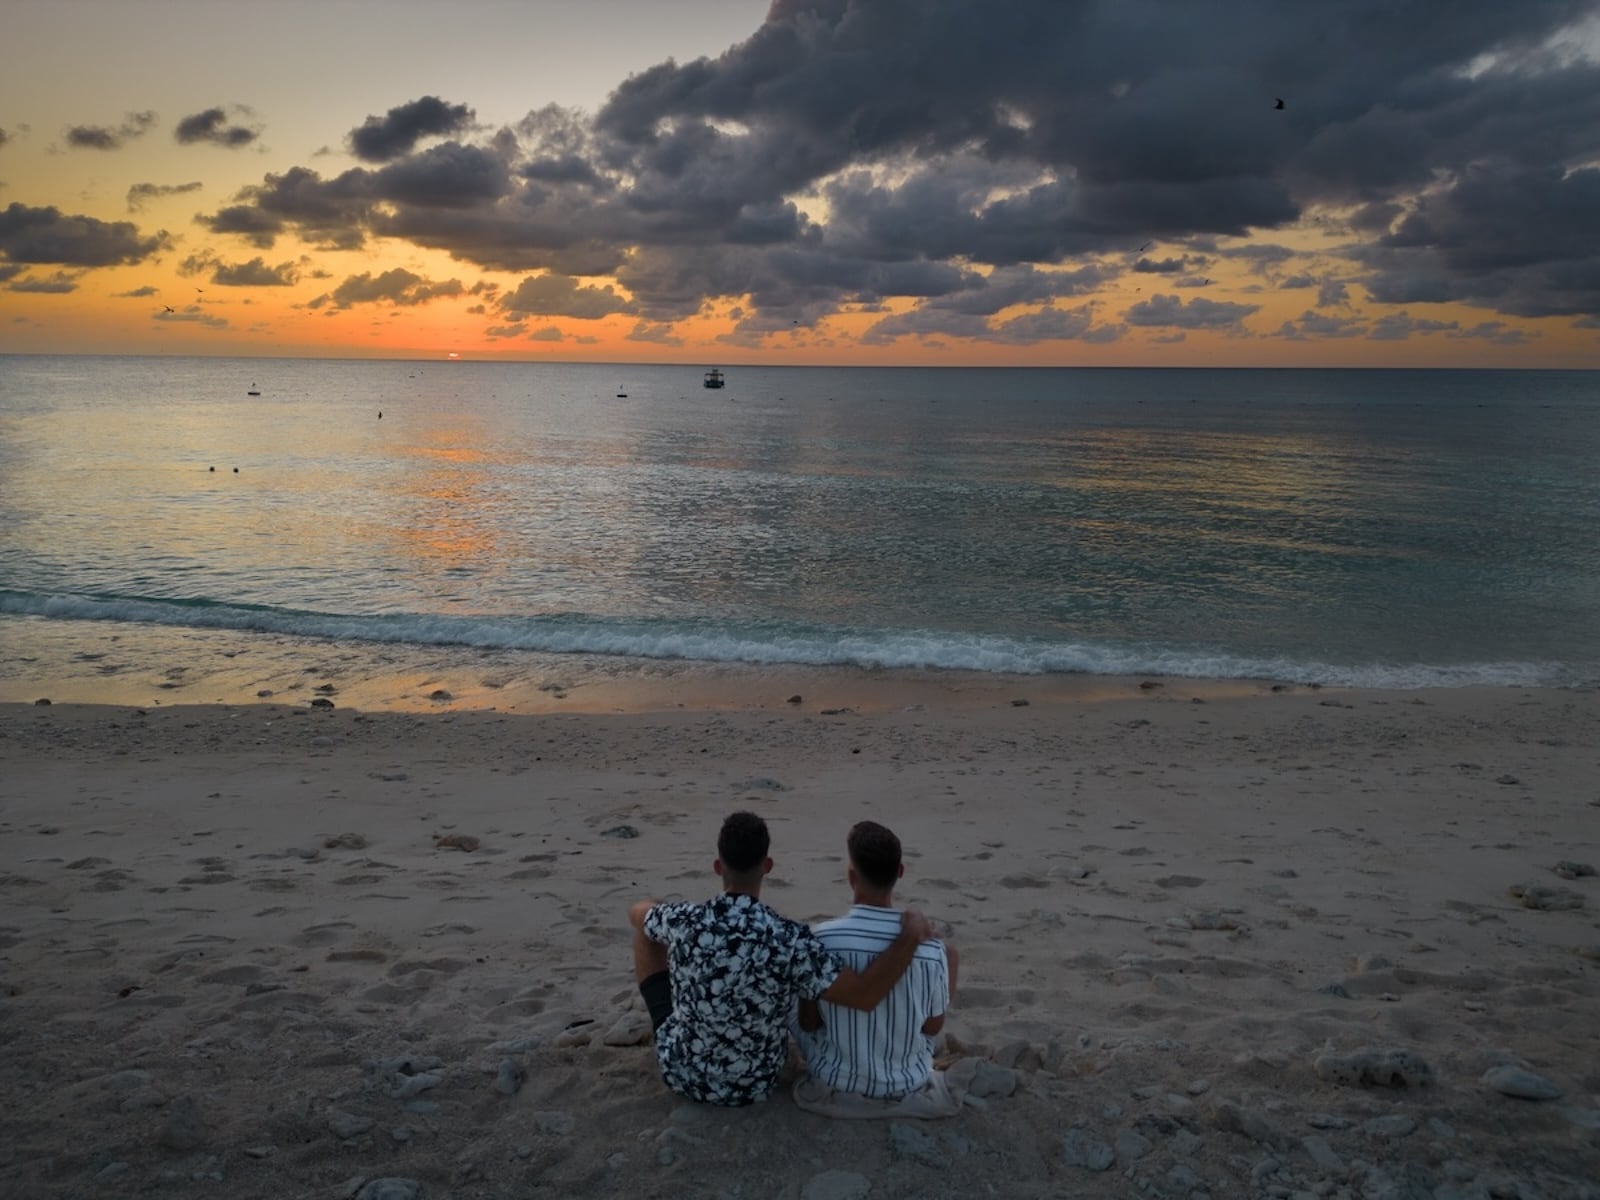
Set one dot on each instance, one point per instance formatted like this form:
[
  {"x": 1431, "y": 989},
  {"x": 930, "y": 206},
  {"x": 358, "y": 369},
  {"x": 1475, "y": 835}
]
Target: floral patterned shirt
[{"x": 736, "y": 967}]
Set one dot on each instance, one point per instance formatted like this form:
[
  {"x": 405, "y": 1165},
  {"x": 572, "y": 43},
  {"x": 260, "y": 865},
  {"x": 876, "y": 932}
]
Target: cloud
[
  {"x": 1497, "y": 332},
  {"x": 1332, "y": 293},
  {"x": 379, "y": 139},
  {"x": 554, "y": 295},
  {"x": 1523, "y": 241},
  {"x": 255, "y": 273},
  {"x": 1199, "y": 313},
  {"x": 1165, "y": 266},
  {"x": 848, "y": 155},
  {"x": 46, "y": 235},
  {"x": 396, "y": 286},
  {"x": 141, "y": 192},
  {"x": 256, "y": 225},
  {"x": 191, "y": 314},
  {"x": 58, "y": 284},
  {"x": 1397, "y": 327},
  {"x": 137, "y": 293},
  {"x": 4, "y": 137},
  {"x": 1312, "y": 324},
  {"x": 660, "y": 335},
  {"x": 212, "y": 126},
  {"x": 102, "y": 137}
]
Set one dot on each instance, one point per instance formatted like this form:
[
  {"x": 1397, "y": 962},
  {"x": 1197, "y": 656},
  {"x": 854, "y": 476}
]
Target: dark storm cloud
[
  {"x": 1165, "y": 266},
  {"x": 46, "y": 235},
  {"x": 379, "y": 139},
  {"x": 854, "y": 152},
  {"x": 212, "y": 126},
  {"x": 447, "y": 176},
  {"x": 1199, "y": 313},
  {"x": 1522, "y": 241},
  {"x": 256, "y": 225},
  {"x": 141, "y": 192},
  {"x": 660, "y": 335},
  {"x": 255, "y": 273},
  {"x": 561, "y": 296},
  {"x": 102, "y": 137},
  {"x": 397, "y": 286}
]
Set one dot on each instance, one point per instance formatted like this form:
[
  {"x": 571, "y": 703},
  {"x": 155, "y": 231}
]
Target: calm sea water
[{"x": 1396, "y": 528}]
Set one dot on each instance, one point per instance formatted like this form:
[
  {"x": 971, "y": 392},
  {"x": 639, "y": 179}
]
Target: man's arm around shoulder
[{"x": 865, "y": 990}]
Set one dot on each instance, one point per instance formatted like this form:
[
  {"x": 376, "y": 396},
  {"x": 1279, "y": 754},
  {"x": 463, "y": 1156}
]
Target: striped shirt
[{"x": 882, "y": 1053}]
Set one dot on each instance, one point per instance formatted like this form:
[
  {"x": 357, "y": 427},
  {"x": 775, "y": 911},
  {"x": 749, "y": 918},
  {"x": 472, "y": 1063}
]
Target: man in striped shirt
[{"x": 885, "y": 1054}]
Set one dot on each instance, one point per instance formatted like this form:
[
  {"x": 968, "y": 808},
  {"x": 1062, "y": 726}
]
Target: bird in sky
[
  {"x": 1279, "y": 103},
  {"x": 169, "y": 308},
  {"x": 1143, "y": 248}
]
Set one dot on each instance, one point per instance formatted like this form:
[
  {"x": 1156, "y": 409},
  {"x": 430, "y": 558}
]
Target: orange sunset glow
[{"x": 1188, "y": 183}]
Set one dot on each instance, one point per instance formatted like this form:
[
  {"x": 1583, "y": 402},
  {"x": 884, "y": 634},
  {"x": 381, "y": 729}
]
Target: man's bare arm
[
  {"x": 865, "y": 990},
  {"x": 935, "y": 1023},
  {"x": 638, "y": 912}
]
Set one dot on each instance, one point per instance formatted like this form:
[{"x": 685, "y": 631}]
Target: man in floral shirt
[{"x": 721, "y": 978}]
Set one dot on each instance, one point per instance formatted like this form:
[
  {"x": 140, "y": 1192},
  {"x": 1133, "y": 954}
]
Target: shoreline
[{"x": 241, "y": 948}]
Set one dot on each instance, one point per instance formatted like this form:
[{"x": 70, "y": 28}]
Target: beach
[{"x": 1247, "y": 941}]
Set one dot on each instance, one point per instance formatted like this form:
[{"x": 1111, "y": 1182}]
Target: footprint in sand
[
  {"x": 235, "y": 975},
  {"x": 441, "y": 966},
  {"x": 273, "y": 884},
  {"x": 323, "y": 935},
  {"x": 357, "y": 956},
  {"x": 1024, "y": 881}
]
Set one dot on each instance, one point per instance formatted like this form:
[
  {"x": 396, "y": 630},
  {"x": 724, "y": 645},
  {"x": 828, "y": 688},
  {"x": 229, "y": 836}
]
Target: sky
[{"x": 894, "y": 182}]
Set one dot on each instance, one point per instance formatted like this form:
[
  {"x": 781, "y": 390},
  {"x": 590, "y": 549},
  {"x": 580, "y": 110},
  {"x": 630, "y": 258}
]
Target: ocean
[{"x": 1383, "y": 528}]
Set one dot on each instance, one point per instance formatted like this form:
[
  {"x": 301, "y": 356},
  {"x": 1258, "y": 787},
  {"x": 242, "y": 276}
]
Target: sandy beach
[{"x": 1241, "y": 943}]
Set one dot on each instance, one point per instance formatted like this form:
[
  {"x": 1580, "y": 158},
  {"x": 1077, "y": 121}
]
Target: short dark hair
[
  {"x": 743, "y": 843},
  {"x": 875, "y": 852}
]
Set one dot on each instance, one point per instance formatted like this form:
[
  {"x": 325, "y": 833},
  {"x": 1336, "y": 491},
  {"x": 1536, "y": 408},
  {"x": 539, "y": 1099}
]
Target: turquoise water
[{"x": 1397, "y": 528}]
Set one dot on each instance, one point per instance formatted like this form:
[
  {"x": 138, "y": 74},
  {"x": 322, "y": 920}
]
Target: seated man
[
  {"x": 880, "y": 1062},
  {"x": 720, "y": 978}
]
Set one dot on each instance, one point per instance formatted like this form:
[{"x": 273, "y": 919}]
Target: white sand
[{"x": 1166, "y": 911}]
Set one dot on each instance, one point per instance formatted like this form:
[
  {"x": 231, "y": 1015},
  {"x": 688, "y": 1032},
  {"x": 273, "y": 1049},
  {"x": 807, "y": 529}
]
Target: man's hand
[
  {"x": 865, "y": 990},
  {"x": 915, "y": 925}
]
